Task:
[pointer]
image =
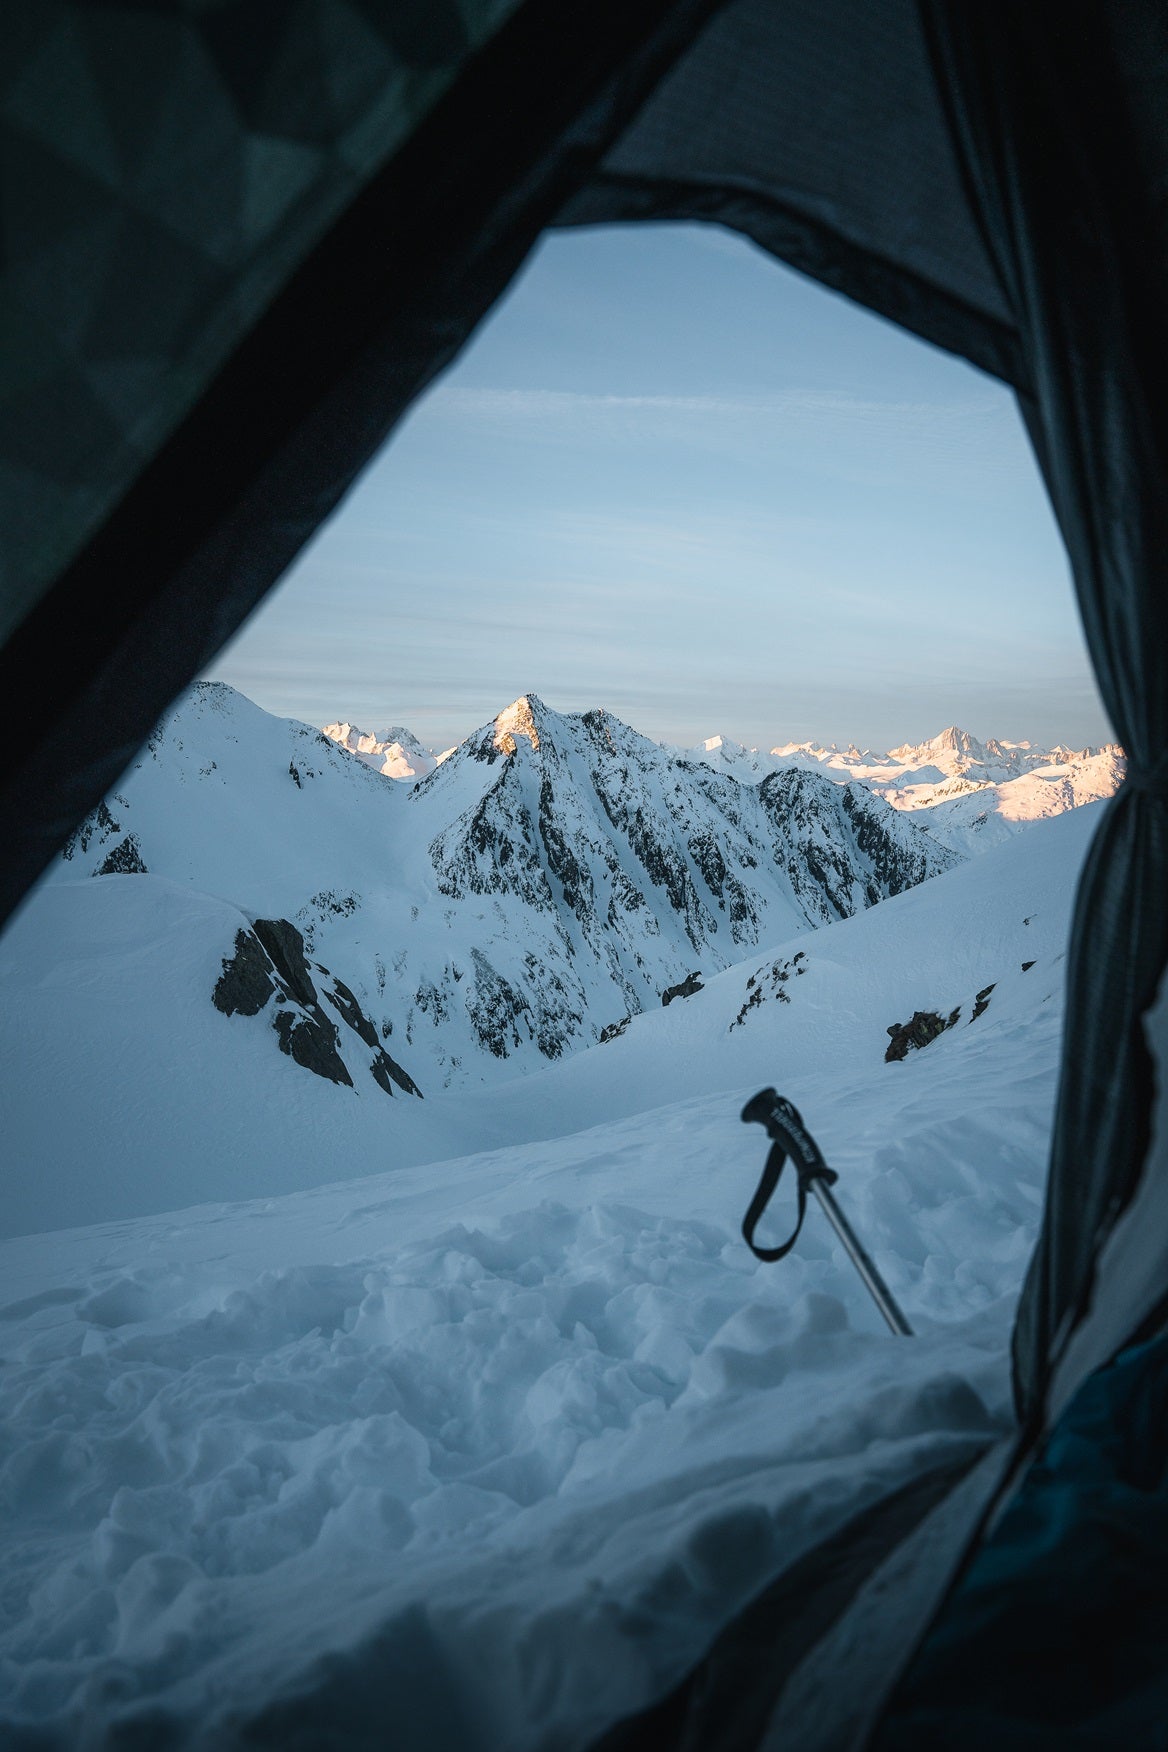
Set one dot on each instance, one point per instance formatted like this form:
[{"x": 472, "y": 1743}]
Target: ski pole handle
[{"x": 783, "y": 1124}]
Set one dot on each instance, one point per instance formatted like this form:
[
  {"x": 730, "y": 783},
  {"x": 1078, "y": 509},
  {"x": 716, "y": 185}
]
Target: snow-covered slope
[
  {"x": 482, "y": 1452},
  {"x": 554, "y": 875},
  {"x": 970, "y": 816},
  {"x": 127, "y": 1091}
]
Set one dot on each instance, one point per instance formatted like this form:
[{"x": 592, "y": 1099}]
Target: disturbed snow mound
[{"x": 431, "y": 1490}]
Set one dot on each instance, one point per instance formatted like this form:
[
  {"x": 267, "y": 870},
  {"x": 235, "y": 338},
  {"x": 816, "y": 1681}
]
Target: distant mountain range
[
  {"x": 972, "y": 794},
  {"x": 396, "y": 752},
  {"x": 977, "y": 794}
]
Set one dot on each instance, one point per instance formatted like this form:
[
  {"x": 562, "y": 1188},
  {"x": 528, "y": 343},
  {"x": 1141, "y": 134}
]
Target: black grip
[{"x": 783, "y": 1124}]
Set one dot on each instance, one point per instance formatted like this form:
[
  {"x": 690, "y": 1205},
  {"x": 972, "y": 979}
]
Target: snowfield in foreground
[{"x": 480, "y": 1453}]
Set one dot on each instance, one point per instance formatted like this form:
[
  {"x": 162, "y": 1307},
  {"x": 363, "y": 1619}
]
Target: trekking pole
[{"x": 790, "y": 1137}]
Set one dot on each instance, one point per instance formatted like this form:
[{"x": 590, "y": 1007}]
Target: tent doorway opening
[{"x": 671, "y": 496}]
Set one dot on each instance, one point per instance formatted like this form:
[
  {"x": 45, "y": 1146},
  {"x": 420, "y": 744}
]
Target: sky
[{"x": 670, "y": 477}]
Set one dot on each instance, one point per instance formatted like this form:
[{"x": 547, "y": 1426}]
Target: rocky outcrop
[
  {"x": 770, "y": 983},
  {"x": 685, "y": 988},
  {"x": 125, "y": 859},
  {"x": 246, "y": 982},
  {"x": 982, "y": 1002},
  {"x": 922, "y": 1028},
  {"x": 925, "y": 1026},
  {"x": 842, "y": 847},
  {"x": 269, "y": 965}
]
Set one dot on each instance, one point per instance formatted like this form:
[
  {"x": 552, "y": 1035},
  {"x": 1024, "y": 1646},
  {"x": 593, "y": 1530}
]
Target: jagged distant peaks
[
  {"x": 1014, "y": 781},
  {"x": 951, "y": 741},
  {"x": 397, "y": 752}
]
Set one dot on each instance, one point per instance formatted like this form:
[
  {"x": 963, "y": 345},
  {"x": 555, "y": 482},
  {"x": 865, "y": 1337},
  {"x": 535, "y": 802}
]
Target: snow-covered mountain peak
[
  {"x": 952, "y": 742},
  {"x": 396, "y": 753},
  {"x": 397, "y": 736},
  {"x": 520, "y": 718}
]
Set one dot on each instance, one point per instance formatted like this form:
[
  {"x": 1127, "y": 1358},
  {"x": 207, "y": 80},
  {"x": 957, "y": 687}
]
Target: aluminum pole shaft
[{"x": 857, "y": 1253}]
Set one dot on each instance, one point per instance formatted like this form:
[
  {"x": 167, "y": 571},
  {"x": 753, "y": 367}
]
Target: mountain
[
  {"x": 396, "y": 753},
  {"x": 971, "y": 815},
  {"x": 555, "y": 875},
  {"x": 937, "y": 781},
  {"x": 636, "y": 865}
]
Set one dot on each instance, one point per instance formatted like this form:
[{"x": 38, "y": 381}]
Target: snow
[
  {"x": 481, "y": 1451},
  {"x": 969, "y": 795},
  {"x": 396, "y": 753},
  {"x": 517, "y": 719}
]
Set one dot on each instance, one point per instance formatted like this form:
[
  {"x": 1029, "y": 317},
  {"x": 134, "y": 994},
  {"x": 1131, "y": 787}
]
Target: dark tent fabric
[
  {"x": 816, "y": 127},
  {"x": 164, "y": 170},
  {"x": 241, "y": 239},
  {"x": 1056, "y": 1636},
  {"x": 1063, "y": 129},
  {"x": 255, "y": 370},
  {"x": 726, "y": 1701}
]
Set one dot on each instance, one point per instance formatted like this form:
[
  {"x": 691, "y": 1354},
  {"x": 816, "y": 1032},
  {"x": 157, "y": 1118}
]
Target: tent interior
[{"x": 240, "y": 240}]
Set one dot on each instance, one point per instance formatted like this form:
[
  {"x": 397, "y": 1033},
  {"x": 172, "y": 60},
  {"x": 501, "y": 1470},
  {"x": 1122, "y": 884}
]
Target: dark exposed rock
[
  {"x": 779, "y": 973},
  {"x": 495, "y": 1008},
  {"x": 574, "y": 878},
  {"x": 338, "y": 906},
  {"x": 245, "y": 985},
  {"x": 285, "y": 946},
  {"x": 342, "y": 999},
  {"x": 1026, "y": 966},
  {"x": 387, "y": 1072},
  {"x": 662, "y": 862},
  {"x": 842, "y": 847},
  {"x": 613, "y": 1030},
  {"x": 923, "y": 1027},
  {"x": 982, "y": 1002},
  {"x": 125, "y": 860},
  {"x": 311, "y": 1040},
  {"x": 894, "y": 866},
  {"x": 707, "y": 855},
  {"x": 269, "y": 959},
  {"x": 99, "y": 825},
  {"x": 684, "y": 989}
]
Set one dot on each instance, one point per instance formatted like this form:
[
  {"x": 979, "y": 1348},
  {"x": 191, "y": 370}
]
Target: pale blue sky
[{"x": 672, "y": 478}]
